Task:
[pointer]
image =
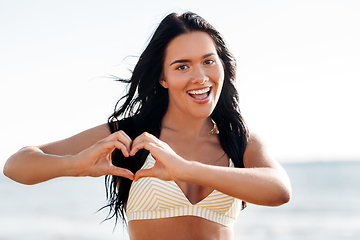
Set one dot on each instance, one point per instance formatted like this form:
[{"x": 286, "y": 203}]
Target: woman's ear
[{"x": 163, "y": 82}]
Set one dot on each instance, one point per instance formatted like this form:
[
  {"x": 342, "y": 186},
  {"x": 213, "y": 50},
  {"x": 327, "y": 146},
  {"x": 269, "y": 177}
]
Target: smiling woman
[
  {"x": 193, "y": 74},
  {"x": 177, "y": 155}
]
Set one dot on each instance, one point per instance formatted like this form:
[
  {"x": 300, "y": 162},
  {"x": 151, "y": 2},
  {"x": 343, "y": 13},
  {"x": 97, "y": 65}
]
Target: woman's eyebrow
[
  {"x": 180, "y": 61},
  {"x": 188, "y": 60},
  {"x": 208, "y": 55}
]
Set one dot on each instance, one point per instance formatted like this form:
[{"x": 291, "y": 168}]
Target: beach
[{"x": 324, "y": 205}]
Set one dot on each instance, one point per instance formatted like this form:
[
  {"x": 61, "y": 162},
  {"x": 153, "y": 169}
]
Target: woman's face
[{"x": 193, "y": 74}]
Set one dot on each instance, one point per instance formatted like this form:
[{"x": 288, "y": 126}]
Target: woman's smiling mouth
[{"x": 199, "y": 94}]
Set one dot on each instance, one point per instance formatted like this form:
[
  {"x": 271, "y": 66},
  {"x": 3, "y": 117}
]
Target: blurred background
[{"x": 298, "y": 77}]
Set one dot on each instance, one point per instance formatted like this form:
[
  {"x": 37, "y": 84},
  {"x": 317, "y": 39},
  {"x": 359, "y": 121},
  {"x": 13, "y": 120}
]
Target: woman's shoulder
[
  {"x": 255, "y": 140},
  {"x": 256, "y": 153}
]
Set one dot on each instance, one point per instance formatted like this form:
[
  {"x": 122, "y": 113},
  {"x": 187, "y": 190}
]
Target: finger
[
  {"x": 125, "y": 135},
  {"x": 145, "y": 136},
  {"x": 122, "y": 172},
  {"x": 145, "y": 140},
  {"x": 128, "y": 139},
  {"x": 144, "y": 173},
  {"x": 125, "y": 150},
  {"x": 142, "y": 145},
  {"x": 122, "y": 137},
  {"x": 106, "y": 147}
]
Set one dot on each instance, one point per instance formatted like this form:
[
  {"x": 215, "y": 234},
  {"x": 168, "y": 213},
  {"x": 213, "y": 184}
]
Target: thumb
[{"x": 144, "y": 173}]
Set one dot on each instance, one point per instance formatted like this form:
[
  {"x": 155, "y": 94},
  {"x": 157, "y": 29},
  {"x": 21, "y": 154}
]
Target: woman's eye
[
  {"x": 182, "y": 67},
  {"x": 209, "y": 62}
]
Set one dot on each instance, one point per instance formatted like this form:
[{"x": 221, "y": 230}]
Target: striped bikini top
[{"x": 152, "y": 198}]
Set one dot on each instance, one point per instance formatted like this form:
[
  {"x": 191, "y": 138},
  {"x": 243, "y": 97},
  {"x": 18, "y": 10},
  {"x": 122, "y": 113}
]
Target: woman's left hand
[{"x": 168, "y": 164}]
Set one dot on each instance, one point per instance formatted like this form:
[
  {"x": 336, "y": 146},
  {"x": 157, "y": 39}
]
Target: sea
[{"x": 325, "y": 205}]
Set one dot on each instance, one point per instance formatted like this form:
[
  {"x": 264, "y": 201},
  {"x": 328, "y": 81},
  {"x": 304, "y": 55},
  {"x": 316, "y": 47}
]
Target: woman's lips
[{"x": 199, "y": 94}]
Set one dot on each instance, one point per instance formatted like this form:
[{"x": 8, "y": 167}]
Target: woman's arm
[
  {"x": 263, "y": 181},
  {"x": 85, "y": 154}
]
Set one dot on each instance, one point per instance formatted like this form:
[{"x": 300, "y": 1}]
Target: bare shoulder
[
  {"x": 257, "y": 155},
  {"x": 78, "y": 142}
]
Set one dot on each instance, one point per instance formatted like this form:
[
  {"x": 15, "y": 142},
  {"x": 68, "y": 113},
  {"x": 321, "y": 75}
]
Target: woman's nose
[{"x": 199, "y": 75}]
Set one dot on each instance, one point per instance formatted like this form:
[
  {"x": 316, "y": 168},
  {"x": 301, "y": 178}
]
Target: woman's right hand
[
  {"x": 85, "y": 154},
  {"x": 96, "y": 161}
]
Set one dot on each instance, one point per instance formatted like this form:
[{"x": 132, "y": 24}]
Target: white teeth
[{"x": 199, "y": 91}]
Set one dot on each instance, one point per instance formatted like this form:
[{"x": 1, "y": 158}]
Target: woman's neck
[{"x": 187, "y": 125}]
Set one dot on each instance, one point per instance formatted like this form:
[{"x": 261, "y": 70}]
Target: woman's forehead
[{"x": 189, "y": 45}]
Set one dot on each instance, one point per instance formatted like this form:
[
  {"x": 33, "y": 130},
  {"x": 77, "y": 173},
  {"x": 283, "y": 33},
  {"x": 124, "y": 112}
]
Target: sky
[{"x": 298, "y": 68}]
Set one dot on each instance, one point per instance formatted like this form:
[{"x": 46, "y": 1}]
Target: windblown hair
[{"x": 146, "y": 103}]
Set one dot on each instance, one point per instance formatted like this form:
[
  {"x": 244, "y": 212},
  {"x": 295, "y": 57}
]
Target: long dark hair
[{"x": 146, "y": 103}]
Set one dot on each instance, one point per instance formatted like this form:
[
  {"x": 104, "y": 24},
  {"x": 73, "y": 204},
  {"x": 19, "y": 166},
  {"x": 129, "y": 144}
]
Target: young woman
[{"x": 178, "y": 158}]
